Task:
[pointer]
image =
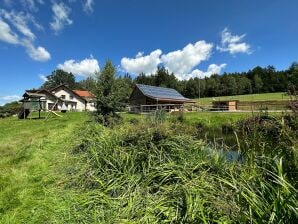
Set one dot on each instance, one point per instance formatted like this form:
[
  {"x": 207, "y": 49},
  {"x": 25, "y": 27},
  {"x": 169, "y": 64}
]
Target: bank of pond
[{"x": 166, "y": 170}]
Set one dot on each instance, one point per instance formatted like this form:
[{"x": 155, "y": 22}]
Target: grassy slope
[
  {"x": 32, "y": 158},
  {"x": 249, "y": 97}
]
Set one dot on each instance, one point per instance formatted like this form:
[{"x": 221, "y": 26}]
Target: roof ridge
[{"x": 157, "y": 87}]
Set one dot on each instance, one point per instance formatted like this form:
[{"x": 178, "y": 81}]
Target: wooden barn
[
  {"x": 145, "y": 98},
  {"x": 229, "y": 105}
]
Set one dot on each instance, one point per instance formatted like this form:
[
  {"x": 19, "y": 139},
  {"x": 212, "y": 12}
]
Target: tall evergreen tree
[
  {"x": 108, "y": 98},
  {"x": 293, "y": 75}
]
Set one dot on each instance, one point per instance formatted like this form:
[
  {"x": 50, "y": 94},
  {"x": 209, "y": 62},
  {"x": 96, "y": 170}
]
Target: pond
[{"x": 224, "y": 141}]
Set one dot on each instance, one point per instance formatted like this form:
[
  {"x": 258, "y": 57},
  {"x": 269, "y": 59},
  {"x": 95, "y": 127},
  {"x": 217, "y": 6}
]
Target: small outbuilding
[
  {"x": 31, "y": 102},
  {"x": 225, "y": 105},
  {"x": 145, "y": 98}
]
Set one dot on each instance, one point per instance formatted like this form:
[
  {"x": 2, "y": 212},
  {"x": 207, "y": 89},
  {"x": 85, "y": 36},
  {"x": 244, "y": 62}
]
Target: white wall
[
  {"x": 47, "y": 104},
  {"x": 90, "y": 106},
  {"x": 71, "y": 97}
]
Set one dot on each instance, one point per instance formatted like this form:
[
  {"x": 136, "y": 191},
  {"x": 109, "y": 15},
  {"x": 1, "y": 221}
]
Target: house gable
[{"x": 66, "y": 93}]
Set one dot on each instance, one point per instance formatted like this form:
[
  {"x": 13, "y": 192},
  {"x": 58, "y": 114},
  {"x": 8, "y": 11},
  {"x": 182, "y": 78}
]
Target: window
[
  {"x": 71, "y": 97},
  {"x": 62, "y": 96}
]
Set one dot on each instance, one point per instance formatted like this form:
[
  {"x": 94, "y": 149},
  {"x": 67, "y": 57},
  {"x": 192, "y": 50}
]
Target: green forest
[{"x": 256, "y": 80}]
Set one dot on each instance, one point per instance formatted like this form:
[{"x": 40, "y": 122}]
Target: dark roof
[
  {"x": 41, "y": 91},
  {"x": 33, "y": 95},
  {"x": 161, "y": 93}
]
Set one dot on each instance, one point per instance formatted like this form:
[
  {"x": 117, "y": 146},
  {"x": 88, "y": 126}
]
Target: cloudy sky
[{"x": 192, "y": 38}]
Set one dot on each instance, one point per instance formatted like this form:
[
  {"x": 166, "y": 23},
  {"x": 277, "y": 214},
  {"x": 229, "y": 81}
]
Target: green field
[
  {"x": 32, "y": 168},
  {"x": 73, "y": 170},
  {"x": 250, "y": 97}
]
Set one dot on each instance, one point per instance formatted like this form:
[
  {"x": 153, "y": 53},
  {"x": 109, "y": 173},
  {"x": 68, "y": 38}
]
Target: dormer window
[{"x": 62, "y": 96}]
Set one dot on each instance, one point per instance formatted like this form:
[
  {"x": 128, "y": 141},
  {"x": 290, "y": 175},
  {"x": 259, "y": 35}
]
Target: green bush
[{"x": 10, "y": 109}]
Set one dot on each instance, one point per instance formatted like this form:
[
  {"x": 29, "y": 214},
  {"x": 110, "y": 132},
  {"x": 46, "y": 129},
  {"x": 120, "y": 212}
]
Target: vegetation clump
[
  {"x": 10, "y": 109},
  {"x": 144, "y": 173},
  {"x": 109, "y": 96}
]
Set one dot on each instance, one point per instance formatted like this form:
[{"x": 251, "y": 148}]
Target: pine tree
[{"x": 108, "y": 99}]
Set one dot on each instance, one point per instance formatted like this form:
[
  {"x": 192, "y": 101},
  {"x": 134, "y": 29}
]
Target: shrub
[
  {"x": 10, "y": 109},
  {"x": 269, "y": 136}
]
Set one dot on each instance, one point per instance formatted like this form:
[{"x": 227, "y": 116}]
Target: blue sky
[{"x": 192, "y": 38}]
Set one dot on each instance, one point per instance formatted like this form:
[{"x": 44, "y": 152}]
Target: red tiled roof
[{"x": 83, "y": 93}]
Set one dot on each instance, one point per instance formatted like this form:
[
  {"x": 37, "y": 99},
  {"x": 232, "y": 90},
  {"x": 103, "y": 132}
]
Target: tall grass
[{"x": 144, "y": 173}]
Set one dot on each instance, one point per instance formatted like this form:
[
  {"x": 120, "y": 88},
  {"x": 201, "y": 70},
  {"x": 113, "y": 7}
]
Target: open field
[
  {"x": 32, "y": 168},
  {"x": 250, "y": 97}
]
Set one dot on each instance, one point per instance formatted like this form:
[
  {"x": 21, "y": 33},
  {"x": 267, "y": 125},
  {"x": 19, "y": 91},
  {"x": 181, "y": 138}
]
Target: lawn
[
  {"x": 249, "y": 97},
  {"x": 32, "y": 168}
]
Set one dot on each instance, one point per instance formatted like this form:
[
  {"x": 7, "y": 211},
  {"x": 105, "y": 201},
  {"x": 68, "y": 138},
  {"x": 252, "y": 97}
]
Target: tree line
[{"x": 256, "y": 80}]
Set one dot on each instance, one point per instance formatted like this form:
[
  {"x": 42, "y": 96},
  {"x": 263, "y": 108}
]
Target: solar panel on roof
[{"x": 160, "y": 92}]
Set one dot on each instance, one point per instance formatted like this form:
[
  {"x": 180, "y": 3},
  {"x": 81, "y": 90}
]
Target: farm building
[
  {"x": 145, "y": 98},
  {"x": 75, "y": 100},
  {"x": 229, "y": 105}
]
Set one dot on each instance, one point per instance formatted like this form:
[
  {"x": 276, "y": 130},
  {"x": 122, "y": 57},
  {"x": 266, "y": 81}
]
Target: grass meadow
[
  {"x": 33, "y": 168},
  {"x": 248, "y": 97},
  {"x": 147, "y": 169}
]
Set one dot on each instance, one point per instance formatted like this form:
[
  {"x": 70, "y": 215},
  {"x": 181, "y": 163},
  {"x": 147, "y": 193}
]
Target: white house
[{"x": 73, "y": 100}]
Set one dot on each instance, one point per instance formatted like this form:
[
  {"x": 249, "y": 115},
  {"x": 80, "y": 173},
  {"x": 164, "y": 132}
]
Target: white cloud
[
  {"x": 32, "y": 4},
  {"x": 43, "y": 77},
  {"x": 20, "y": 21},
  {"x": 6, "y": 33},
  {"x": 233, "y": 43},
  {"x": 181, "y": 62},
  {"x": 26, "y": 39},
  {"x": 88, "y": 6},
  {"x": 8, "y": 99},
  {"x": 212, "y": 69},
  {"x": 146, "y": 64},
  {"x": 11, "y": 98},
  {"x": 60, "y": 16},
  {"x": 85, "y": 68},
  {"x": 29, "y": 5},
  {"x": 139, "y": 54},
  {"x": 37, "y": 53}
]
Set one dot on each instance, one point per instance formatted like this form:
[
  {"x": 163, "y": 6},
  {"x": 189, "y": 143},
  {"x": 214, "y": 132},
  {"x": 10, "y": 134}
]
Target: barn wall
[{"x": 137, "y": 97}]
